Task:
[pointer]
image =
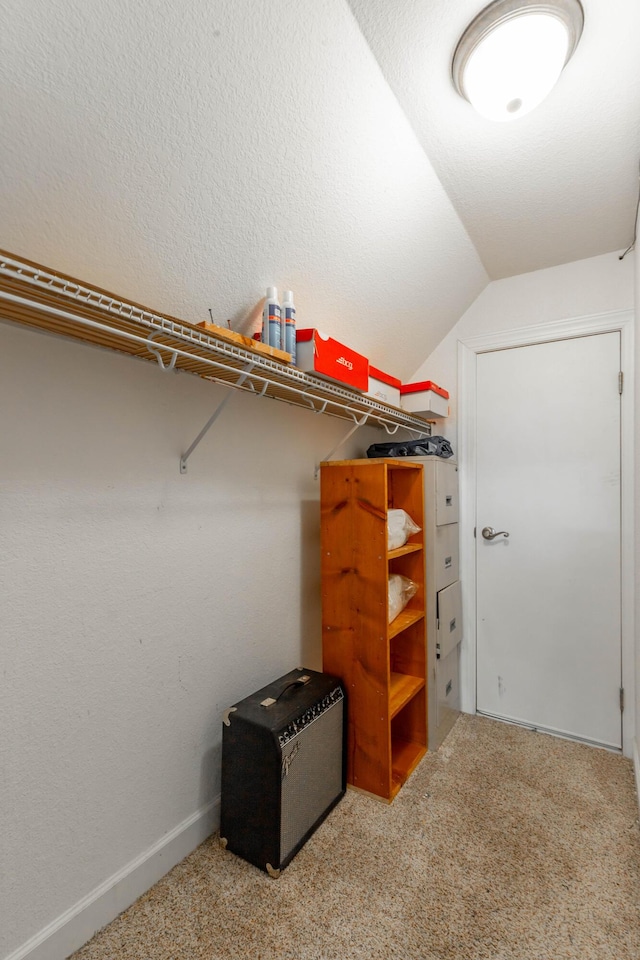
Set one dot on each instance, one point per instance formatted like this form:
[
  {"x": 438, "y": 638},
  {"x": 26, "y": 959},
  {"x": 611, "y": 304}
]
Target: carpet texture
[{"x": 504, "y": 845}]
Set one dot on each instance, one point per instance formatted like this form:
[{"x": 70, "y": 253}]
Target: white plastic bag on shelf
[
  {"x": 400, "y": 526},
  {"x": 401, "y": 589}
]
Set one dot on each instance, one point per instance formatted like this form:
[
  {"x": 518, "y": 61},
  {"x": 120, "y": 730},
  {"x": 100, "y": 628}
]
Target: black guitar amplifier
[{"x": 283, "y": 766}]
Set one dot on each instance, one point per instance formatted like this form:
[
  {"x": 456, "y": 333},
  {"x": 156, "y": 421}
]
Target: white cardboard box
[
  {"x": 383, "y": 387},
  {"x": 425, "y": 398}
]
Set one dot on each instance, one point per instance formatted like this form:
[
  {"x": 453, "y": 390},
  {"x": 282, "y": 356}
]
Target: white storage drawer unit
[
  {"x": 446, "y": 555},
  {"x": 447, "y": 510},
  {"x": 448, "y": 689},
  {"x": 449, "y": 620},
  {"x": 443, "y": 620}
]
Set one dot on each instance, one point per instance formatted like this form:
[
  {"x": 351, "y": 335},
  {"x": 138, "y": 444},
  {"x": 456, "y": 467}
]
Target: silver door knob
[{"x": 490, "y": 534}]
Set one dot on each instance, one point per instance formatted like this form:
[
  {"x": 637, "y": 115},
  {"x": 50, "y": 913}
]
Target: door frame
[{"x": 468, "y": 350}]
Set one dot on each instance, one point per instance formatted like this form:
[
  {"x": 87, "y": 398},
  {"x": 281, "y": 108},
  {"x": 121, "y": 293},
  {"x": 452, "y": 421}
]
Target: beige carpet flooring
[{"x": 504, "y": 844}]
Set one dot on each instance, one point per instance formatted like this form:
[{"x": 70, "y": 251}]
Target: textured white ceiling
[{"x": 557, "y": 185}]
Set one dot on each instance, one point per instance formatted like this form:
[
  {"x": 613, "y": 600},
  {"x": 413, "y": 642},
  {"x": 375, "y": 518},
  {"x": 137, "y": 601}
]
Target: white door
[{"x": 548, "y": 596}]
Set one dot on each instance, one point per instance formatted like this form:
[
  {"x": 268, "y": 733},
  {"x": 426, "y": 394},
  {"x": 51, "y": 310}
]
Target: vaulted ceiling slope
[
  {"x": 557, "y": 185},
  {"x": 188, "y": 157}
]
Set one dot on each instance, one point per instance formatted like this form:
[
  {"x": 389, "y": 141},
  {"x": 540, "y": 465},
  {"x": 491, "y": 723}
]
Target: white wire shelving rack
[{"x": 37, "y": 297}]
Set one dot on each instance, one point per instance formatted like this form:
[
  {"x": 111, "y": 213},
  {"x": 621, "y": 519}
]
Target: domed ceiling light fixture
[{"x": 510, "y": 57}]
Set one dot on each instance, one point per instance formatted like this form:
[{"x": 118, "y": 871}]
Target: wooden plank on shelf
[
  {"x": 404, "y": 550},
  {"x": 402, "y": 689},
  {"x": 404, "y": 619},
  {"x": 248, "y": 343},
  {"x": 407, "y": 754},
  {"x": 396, "y": 463}
]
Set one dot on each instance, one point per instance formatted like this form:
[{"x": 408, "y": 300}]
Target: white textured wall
[
  {"x": 597, "y": 285},
  {"x": 636, "y": 256},
  {"x": 137, "y": 604}
]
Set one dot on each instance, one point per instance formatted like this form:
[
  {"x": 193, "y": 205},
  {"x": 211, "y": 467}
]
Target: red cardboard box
[
  {"x": 425, "y": 398},
  {"x": 317, "y": 353},
  {"x": 384, "y": 387}
]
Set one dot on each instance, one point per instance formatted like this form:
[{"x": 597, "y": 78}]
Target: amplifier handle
[{"x": 300, "y": 682}]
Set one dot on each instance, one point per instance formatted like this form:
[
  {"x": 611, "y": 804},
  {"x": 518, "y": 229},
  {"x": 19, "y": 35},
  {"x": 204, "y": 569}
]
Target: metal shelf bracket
[
  {"x": 358, "y": 423},
  {"x": 214, "y": 416},
  {"x": 210, "y": 422},
  {"x": 153, "y": 348},
  {"x": 389, "y": 431}
]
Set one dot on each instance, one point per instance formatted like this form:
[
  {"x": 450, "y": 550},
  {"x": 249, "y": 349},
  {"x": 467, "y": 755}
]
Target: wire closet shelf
[{"x": 39, "y": 298}]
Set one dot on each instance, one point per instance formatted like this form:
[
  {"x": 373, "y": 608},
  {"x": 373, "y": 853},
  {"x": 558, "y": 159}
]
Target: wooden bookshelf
[{"x": 382, "y": 664}]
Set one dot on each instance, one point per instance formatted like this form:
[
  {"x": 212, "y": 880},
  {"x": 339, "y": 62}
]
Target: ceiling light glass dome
[{"x": 510, "y": 57}]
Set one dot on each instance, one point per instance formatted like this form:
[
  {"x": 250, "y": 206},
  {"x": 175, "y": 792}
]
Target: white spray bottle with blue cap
[
  {"x": 271, "y": 320},
  {"x": 289, "y": 324}
]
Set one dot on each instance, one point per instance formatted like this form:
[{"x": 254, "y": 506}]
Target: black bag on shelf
[{"x": 423, "y": 447}]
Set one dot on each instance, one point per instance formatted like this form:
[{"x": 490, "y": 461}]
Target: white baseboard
[
  {"x": 68, "y": 932},
  {"x": 636, "y": 767}
]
